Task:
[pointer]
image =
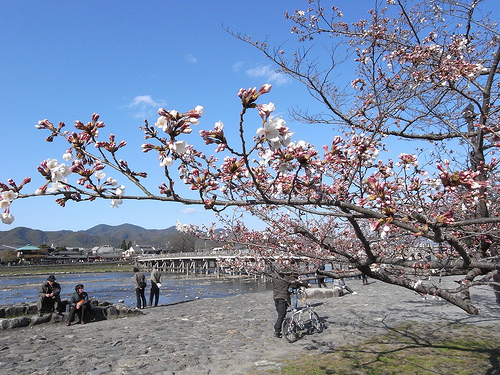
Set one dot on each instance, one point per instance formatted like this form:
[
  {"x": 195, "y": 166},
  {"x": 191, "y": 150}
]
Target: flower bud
[{"x": 265, "y": 88}]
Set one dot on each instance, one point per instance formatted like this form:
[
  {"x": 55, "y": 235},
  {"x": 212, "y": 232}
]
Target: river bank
[
  {"x": 59, "y": 269},
  {"x": 118, "y": 287},
  {"x": 233, "y": 335}
]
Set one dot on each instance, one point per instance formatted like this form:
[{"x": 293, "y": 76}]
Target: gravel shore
[{"x": 230, "y": 335}]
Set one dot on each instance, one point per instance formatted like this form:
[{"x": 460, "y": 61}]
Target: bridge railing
[{"x": 208, "y": 253}]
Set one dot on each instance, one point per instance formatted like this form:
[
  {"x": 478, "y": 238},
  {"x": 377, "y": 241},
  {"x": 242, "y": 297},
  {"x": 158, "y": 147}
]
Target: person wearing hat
[
  {"x": 49, "y": 294},
  {"x": 155, "y": 286},
  {"x": 79, "y": 304}
]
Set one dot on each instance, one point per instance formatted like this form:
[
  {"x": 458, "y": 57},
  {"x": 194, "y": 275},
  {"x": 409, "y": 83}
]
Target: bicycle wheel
[
  {"x": 289, "y": 330},
  {"x": 316, "y": 323}
]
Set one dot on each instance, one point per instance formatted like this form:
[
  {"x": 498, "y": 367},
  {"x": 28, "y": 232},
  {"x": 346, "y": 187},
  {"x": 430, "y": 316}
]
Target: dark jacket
[
  {"x": 281, "y": 284},
  {"x": 75, "y": 298},
  {"x": 48, "y": 289},
  {"x": 138, "y": 278}
]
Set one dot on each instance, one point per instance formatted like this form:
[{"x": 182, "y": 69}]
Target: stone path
[{"x": 220, "y": 336}]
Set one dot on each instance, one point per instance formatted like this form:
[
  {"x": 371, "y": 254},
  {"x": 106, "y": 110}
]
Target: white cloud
[
  {"x": 191, "y": 59},
  {"x": 145, "y": 106},
  {"x": 238, "y": 66},
  {"x": 144, "y": 100},
  {"x": 269, "y": 74},
  {"x": 190, "y": 211}
]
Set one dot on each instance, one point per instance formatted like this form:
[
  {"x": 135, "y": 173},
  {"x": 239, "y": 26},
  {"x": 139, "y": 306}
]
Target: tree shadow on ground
[{"x": 422, "y": 349}]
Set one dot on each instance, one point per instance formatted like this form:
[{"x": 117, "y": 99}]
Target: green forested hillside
[{"x": 98, "y": 235}]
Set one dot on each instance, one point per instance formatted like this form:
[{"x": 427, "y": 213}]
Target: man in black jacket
[
  {"x": 49, "y": 294},
  {"x": 281, "y": 284},
  {"x": 79, "y": 304}
]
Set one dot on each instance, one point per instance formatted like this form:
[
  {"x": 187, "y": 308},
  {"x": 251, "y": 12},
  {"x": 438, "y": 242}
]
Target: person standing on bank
[
  {"x": 140, "y": 286},
  {"x": 155, "y": 279},
  {"x": 320, "y": 278},
  {"x": 50, "y": 293},
  {"x": 79, "y": 303},
  {"x": 281, "y": 284}
]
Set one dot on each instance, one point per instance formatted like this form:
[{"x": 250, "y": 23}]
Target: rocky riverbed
[{"x": 231, "y": 335}]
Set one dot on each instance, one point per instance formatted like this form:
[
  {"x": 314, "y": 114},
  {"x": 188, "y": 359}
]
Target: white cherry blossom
[
  {"x": 100, "y": 175},
  {"x": 55, "y": 187},
  {"x": 116, "y": 202},
  {"x": 67, "y": 156},
  {"x": 120, "y": 190},
  {"x": 4, "y": 204},
  {"x": 111, "y": 181},
  {"x": 60, "y": 172},
  {"x": 52, "y": 163},
  {"x": 162, "y": 123},
  {"x": 270, "y": 130},
  {"x": 219, "y": 125},
  {"x": 9, "y": 195},
  {"x": 7, "y": 218},
  {"x": 166, "y": 161},
  {"x": 179, "y": 147}
]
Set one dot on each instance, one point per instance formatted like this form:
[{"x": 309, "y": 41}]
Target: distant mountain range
[{"x": 96, "y": 236}]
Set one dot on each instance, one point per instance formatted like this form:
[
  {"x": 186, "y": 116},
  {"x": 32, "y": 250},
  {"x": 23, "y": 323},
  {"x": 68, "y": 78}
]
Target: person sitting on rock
[
  {"x": 79, "y": 304},
  {"x": 340, "y": 284},
  {"x": 49, "y": 295}
]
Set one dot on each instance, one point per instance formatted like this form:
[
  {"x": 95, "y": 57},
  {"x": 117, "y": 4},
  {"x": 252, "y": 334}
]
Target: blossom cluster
[
  {"x": 55, "y": 173},
  {"x": 215, "y": 136},
  {"x": 8, "y": 193},
  {"x": 407, "y": 161},
  {"x": 201, "y": 180},
  {"x": 250, "y": 95},
  {"x": 453, "y": 179},
  {"x": 173, "y": 123},
  {"x": 431, "y": 62},
  {"x": 6, "y": 198},
  {"x": 274, "y": 130},
  {"x": 110, "y": 146},
  {"x": 233, "y": 168}
]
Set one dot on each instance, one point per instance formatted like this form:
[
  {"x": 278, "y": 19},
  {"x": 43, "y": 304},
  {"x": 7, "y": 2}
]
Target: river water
[{"x": 117, "y": 287}]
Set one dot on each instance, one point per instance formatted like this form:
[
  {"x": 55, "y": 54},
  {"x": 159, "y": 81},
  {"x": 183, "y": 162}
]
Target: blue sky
[{"x": 64, "y": 60}]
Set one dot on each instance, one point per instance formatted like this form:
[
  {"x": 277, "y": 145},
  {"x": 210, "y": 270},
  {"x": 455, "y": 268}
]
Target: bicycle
[{"x": 306, "y": 317}]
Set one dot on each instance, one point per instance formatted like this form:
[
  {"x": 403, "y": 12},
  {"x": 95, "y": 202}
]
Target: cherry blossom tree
[{"x": 421, "y": 75}]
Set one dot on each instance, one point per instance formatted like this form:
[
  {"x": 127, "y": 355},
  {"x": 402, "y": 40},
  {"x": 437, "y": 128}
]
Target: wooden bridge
[{"x": 208, "y": 263}]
